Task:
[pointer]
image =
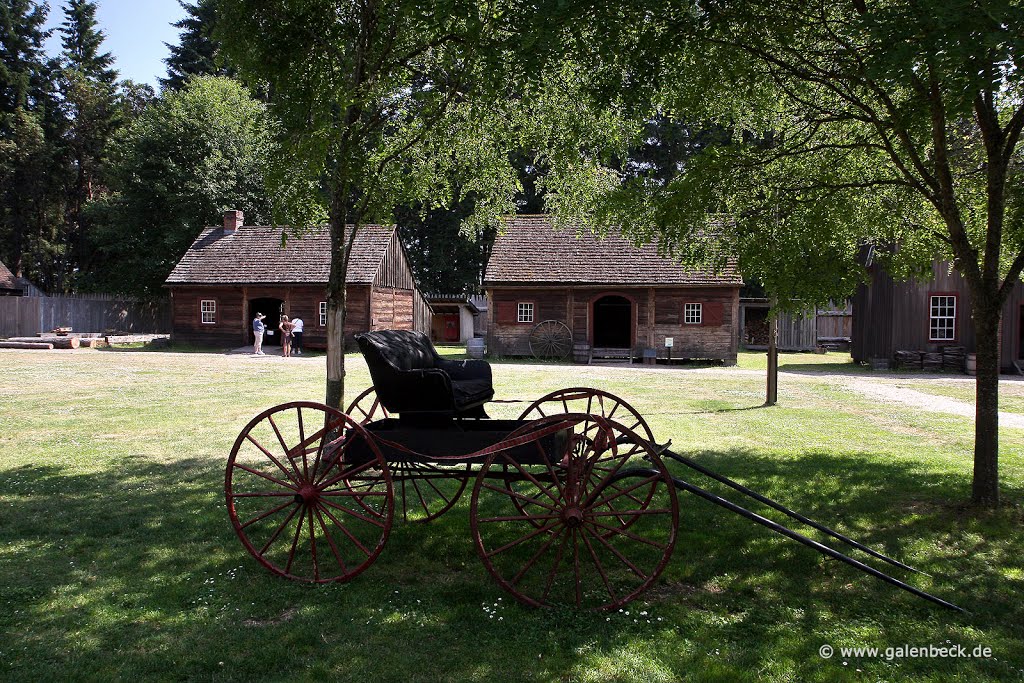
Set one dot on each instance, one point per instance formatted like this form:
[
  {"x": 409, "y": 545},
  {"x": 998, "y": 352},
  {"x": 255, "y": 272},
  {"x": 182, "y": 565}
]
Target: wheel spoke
[
  {"x": 265, "y": 476},
  {"x": 312, "y": 545},
  {"x": 355, "y": 514},
  {"x": 622, "y": 492},
  {"x": 281, "y": 528},
  {"x": 330, "y": 541},
  {"x": 274, "y": 460},
  {"x": 599, "y": 567},
  {"x": 269, "y": 512},
  {"x": 295, "y": 544},
  {"x": 554, "y": 568},
  {"x": 536, "y": 556},
  {"x": 344, "y": 530},
  {"x": 520, "y": 496},
  {"x": 623, "y": 558},
  {"x": 532, "y": 534},
  {"x": 629, "y": 534}
]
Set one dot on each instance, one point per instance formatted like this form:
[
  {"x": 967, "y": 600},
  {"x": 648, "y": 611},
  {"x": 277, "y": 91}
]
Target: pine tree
[
  {"x": 198, "y": 53},
  {"x": 92, "y": 107},
  {"x": 30, "y": 124}
]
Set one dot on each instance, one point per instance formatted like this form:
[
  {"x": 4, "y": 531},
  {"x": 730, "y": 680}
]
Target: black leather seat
[{"x": 410, "y": 377}]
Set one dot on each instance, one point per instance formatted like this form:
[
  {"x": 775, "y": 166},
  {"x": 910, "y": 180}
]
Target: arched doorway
[
  {"x": 272, "y": 308},
  {"x": 613, "y": 322}
]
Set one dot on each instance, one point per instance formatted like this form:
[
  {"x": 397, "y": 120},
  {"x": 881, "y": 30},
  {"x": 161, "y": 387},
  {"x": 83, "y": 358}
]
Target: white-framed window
[
  {"x": 323, "y": 314},
  {"x": 208, "y": 311},
  {"x": 693, "y": 314},
  {"x": 524, "y": 312},
  {"x": 942, "y": 317}
]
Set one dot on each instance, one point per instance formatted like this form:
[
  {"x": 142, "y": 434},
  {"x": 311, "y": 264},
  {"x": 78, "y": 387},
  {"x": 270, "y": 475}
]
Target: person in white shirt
[{"x": 297, "y": 335}]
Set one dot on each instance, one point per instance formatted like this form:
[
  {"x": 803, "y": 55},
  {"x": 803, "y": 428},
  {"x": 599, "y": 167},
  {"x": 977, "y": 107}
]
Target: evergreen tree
[
  {"x": 198, "y": 53},
  {"x": 93, "y": 110},
  {"x": 30, "y": 124}
]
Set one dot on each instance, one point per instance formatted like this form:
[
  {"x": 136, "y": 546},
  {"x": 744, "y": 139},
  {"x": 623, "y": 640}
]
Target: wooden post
[{"x": 772, "y": 396}]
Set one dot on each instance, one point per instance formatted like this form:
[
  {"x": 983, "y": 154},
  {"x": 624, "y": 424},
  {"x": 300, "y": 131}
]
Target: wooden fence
[
  {"x": 24, "y": 316},
  {"x": 835, "y": 323}
]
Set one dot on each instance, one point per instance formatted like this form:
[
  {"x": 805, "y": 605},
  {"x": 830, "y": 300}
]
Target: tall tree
[
  {"x": 198, "y": 53},
  {"x": 93, "y": 111},
  {"x": 29, "y": 127},
  {"x": 895, "y": 122},
  {"x": 360, "y": 88},
  {"x": 186, "y": 159}
]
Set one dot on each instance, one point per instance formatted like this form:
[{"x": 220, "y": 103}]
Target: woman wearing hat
[{"x": 258, "y": 328}]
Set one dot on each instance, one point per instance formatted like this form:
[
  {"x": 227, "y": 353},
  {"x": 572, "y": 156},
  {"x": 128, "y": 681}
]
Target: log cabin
[
  {"x": 622, "y": 300},
  {"x": 926, "y": 315},
  {"x": 234, "y": 271}
]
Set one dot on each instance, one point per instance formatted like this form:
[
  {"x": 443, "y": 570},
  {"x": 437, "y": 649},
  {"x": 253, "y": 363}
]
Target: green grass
[{"x": 117, "y": 560}]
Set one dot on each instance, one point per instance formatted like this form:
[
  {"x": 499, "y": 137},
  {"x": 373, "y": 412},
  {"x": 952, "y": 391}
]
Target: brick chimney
[{"x": 233, "y": 220}]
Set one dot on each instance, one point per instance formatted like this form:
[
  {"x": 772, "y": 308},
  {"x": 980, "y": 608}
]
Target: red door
[{"x": 451, "y": 327}]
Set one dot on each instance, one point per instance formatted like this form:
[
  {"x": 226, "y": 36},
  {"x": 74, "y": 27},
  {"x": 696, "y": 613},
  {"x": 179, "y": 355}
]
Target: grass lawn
[{"x": 117, "y": 560}]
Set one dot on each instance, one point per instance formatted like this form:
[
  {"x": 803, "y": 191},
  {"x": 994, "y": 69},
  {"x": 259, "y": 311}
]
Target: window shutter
[
  {"x": 714, "y": 314},
  {"x": 506, "y": 311}
]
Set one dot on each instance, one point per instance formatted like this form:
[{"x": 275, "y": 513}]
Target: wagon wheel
[
  {"x": 551, "y": 339},
  {"x": 308, "y": 493},
  {"x": 559, "y": 537},
  {"x": 427, "y": 490},
  {"x": 591, "y": 402}
]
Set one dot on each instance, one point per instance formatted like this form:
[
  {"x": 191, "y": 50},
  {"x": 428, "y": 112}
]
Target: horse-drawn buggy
[{"x": 570, "y": 504}]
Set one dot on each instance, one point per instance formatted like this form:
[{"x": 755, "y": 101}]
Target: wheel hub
[
  {"x": 307, "y": 494},
  {"x": 572, "y": 517}
]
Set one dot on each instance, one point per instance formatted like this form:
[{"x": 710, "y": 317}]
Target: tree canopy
[{"x": 188, "y": 158}]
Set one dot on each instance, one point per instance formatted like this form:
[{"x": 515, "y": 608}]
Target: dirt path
[{"x": 937, "y": 404}]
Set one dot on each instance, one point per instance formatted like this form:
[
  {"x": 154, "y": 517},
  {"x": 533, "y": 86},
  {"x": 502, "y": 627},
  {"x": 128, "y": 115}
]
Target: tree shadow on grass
[{"x": 135, "y": 572}]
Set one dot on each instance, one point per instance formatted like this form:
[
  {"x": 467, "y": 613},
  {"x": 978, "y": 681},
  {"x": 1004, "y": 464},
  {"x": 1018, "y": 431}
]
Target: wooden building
[
  {"x": 454, "y": 316},
  {"x": 925, "y": 316},
  {"x": 12, "y": 285},
  {"x": 620, "y": 299},
  {"x": 234, "y": 271}
]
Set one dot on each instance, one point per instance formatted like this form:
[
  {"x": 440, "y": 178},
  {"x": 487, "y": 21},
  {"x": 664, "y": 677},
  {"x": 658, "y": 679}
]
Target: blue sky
[{"x": 136, "y": 31}]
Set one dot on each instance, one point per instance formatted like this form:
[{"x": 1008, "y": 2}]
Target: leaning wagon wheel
[
  {"x": 591, "y": 402},
  {"x": 309, "y": 493},
  {"x": 559, "y": 536},
  {"x": 551, "y": 339},
  {"x": 427, "y": 490}
]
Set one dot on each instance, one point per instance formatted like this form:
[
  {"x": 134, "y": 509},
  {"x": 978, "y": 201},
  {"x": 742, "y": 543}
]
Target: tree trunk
[
  {"x": 772, "y": 393},
  {"x": 985, "y": 490},
  {"x": 336, "y": 296}
]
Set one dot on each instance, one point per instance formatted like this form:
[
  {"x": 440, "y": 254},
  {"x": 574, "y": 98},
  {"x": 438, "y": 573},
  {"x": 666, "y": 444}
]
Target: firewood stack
[
  {"x": 953, "y": 358},
  {"x": 908, "y": 360},
  {"x": 932, "y": 362}
]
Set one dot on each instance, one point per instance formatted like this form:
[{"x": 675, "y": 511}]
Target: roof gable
[
  {"x": 255, "y": 255},
  {"x": 531, "y": 251}
]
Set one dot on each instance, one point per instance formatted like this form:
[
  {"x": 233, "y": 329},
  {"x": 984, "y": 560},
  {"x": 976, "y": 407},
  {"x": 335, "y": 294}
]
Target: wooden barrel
[
  {"x": 475, "y": 347},
  {"x": 581, "y": 353},
  {"x": 972, "y": 364}
]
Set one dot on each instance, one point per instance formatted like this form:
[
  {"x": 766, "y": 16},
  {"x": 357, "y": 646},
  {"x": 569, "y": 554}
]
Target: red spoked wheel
[
  {"x": 592, "y": 524},
  {"x": 427, "y": 490},
  {"x": 584, "y": 400},
  {"x": 309, "y": 493}
]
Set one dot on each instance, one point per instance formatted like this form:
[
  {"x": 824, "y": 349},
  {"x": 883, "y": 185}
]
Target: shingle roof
[
  {"x": 255, "y": 255},
  {"x": 8, "y": 279},
  {"x": 531, "y": 251}
]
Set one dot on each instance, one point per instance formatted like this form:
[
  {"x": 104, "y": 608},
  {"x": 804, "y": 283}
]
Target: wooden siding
[
  {"x": 656, "y": 314},
  {"x": 394, "y": 271},
  {"x": 891, "y": 316},
  {"x": 422, "y": 314}
]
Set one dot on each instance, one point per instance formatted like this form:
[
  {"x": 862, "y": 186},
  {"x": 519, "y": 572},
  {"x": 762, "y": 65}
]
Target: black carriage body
[{"x": 454, "y": 442}]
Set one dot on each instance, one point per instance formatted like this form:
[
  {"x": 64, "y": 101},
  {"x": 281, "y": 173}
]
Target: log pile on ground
[
  {"x": 42, "y": 346},
  {"x": 953, "y": 358},
  {"x": 908, "y": 360},
  {"x": 55, "y": 342},
  {"x": 932, "y": 362}
]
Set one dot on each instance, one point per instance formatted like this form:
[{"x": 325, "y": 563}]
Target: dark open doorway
[
  {"x": 1020, "y": 334},
  {"x": 272, "y": 308},
  {"x": 613, "y": 322}
]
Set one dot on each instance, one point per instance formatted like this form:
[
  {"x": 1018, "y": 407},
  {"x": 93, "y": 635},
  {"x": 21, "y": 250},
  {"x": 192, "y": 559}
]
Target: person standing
[
  {"x": 297, "y": 335},
  {"x": 286, "y": 328},
  {"x": 258, "y": 328}
]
